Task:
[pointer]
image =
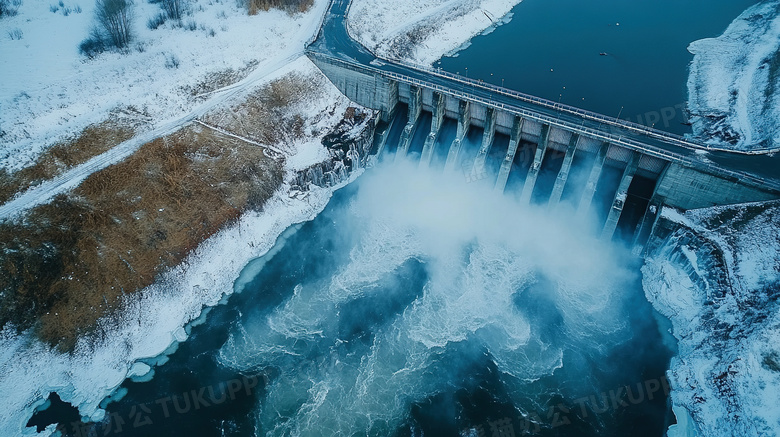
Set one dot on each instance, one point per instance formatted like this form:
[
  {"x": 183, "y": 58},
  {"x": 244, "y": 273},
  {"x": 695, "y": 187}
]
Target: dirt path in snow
[{"x": 45, "y": 191}]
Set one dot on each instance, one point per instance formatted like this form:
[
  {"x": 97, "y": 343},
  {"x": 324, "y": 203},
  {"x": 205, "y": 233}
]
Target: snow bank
[
  {"x": 153, "y": 323},
  {"x": 50, "y": 92},
  {"x": 717, "y": 279},
  {"x": 734, "y": 85},
  {"x": 422, "y": 31}
]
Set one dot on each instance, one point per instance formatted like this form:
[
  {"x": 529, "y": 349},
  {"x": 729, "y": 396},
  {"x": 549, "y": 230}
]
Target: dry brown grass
[
  {"x": 291, "y": 6},
  {"x": 70, "y": 262},
  {"x": 92, "y": 141},
  {"x": 264, "y": 116},
  {"x": 219, "y": 79}
]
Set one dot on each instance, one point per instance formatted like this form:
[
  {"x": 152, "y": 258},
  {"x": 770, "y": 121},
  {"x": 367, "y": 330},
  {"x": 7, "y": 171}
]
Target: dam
[{"x": 549, "y": 152}]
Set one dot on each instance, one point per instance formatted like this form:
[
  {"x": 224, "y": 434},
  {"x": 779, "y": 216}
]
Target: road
[{"x": 334, "y": 41}]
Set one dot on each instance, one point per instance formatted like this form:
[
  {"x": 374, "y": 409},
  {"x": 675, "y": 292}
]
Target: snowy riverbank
[
  {"x": 153, "y": 323},
  {"x": 717, "y": 279},
  {"x": 734, "y": 85},
  {"x": 425, "y": 30}
]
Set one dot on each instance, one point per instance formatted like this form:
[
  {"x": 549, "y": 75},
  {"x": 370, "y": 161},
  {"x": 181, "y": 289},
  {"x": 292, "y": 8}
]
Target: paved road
[{"x": 334, "y": 41}]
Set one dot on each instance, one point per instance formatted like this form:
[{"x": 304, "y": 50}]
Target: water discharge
[
  {"x": 420, "y": 302},
  {"x": 442, "y": 281}
]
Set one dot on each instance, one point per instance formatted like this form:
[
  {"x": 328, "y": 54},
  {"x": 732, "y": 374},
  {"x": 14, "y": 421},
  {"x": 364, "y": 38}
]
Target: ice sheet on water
[
  {"x": 734, "y": 86},
  {"x": 443, "y": 26}
]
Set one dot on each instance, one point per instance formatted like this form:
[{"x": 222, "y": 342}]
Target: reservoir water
[{"x": 552, "y": 49}]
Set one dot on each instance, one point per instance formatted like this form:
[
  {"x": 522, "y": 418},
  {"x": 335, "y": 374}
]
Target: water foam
[{"x": 476, "y": 256}]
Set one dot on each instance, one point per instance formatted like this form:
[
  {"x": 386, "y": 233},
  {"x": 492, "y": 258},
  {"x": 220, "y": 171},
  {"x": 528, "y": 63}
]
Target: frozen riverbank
[
  {"x": 154, "y": 320},
  {"x": 714, "y": 274},
  {"x": 734, "y": 85},
  {"x": 423, "y": 31}
]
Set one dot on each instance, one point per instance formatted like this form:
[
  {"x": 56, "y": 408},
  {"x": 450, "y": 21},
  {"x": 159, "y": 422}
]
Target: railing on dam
[
  {"x": 614, "y": 121},
  {"x": 595, "y": 133}
]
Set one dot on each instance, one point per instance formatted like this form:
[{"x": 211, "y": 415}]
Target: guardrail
[
  {"x": 625, "y": 124},
  {"x": 595, "y": 133}
]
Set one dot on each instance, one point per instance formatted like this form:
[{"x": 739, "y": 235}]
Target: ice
[
  {"x": 716, "y": 279},
  {"x": 445, "y": 25},
  {"x": 733, "y": 87}
]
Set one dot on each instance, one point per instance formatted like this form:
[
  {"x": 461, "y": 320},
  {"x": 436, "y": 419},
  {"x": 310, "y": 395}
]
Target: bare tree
[
  {"x": 114, "y": 16},
  {"x": 173, "y": 8}
]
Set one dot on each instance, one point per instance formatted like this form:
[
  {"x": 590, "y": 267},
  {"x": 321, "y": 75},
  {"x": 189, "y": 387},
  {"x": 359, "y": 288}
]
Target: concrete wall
[
  {"x": 686, "y": 188},
  {"x": 679, "y": 186},
  {"x": 368, "y": 90}
]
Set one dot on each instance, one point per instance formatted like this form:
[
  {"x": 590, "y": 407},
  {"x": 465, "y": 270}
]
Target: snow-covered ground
[
  {"x": 718, "y": 280},
  {"x": 29, "y": 371},
  {"x": 734, "y": 82},
  {"x": 422, "y": 31},
  {"x": 49, "y": 92}
]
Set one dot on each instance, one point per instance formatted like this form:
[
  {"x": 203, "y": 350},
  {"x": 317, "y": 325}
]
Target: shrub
[
  {"x": 173, "y": 9},
  {"x": 191, "y": 26},
  {"x": 291, "y": 6},
  {"x": 156, "y": 21},
  {"x": 54, "y": 9},
  {"x": 15, "y": 34},
  {"x": 94, "y": 45},
  {"x": 114, "y": 17},
  {"x": 171, "y": 61},
  {"x": 9, "y": 8},
  {"x": 77, "y": 9}
]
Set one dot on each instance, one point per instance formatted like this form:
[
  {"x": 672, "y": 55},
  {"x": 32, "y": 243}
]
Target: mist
[{"x": 427, "y": 282}]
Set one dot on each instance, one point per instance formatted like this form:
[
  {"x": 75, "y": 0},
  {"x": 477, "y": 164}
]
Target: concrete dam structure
[{"x": 548, "y": 152}]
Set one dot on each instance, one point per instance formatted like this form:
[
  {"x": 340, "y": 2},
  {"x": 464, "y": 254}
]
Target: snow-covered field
[
  {"x": 718, "y": 280},
  {"x": 422, "y": 31},
  {"x": 49, "y": 92},
  {"x": 29, "y": 371},
  {"x": 734, "y": 83}
]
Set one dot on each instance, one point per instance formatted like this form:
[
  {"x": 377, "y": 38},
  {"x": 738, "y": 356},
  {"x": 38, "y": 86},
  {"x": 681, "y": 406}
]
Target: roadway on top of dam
[{"x": 334, "y": 41}]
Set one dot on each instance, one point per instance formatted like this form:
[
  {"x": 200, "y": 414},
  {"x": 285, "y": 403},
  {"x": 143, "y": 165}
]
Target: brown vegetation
[
  {"x": 291, "y": 6},
  {"x": 71, "y": 261},
  {"x": 219, "y": 79},
  {"x": 92, "y": 141},
  {"x": 265, "y": 116}
]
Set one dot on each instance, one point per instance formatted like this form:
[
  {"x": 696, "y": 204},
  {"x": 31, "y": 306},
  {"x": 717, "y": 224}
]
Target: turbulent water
[{"x": 441, "y": 283}]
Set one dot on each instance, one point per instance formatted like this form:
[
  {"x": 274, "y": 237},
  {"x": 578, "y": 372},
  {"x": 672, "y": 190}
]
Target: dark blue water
[{"x": 551, "y": 49}]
